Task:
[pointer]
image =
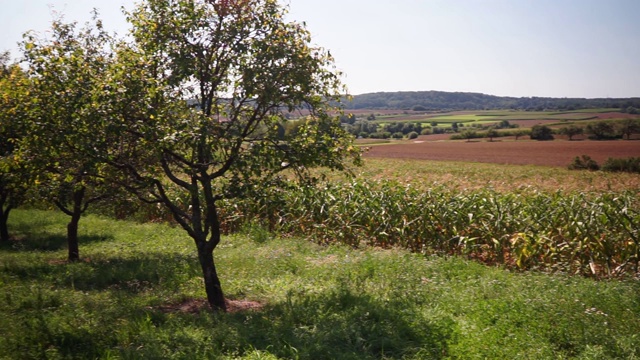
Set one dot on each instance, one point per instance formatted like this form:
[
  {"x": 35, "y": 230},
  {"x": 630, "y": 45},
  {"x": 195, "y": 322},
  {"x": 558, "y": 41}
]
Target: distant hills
[{"x": 442, "y": 100}]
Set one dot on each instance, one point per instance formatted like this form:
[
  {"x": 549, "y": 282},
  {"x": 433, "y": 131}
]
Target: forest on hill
[{"x": 441, "y": 100}]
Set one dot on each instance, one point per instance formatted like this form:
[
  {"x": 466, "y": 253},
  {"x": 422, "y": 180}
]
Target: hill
[{"x": 441, "y": 100}]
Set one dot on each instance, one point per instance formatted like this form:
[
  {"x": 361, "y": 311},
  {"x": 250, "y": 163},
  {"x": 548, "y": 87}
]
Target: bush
[
  {"x": 397, "y": 135},
  {"x": 412, "y": 135},
  {"x": 631, "y": 165},
  {"x": 584, "y": 162},
  {"x": 425, "y": 131}
]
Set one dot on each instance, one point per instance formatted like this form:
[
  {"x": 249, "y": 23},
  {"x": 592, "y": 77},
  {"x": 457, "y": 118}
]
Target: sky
[{"x": 522, "y": 48}]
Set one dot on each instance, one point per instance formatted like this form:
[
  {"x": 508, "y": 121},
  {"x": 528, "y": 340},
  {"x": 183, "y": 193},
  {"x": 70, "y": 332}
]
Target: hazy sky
[{"x": 558, "y": 48}]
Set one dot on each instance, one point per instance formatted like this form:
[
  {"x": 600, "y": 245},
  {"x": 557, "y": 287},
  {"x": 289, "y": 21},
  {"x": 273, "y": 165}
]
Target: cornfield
[{"x": 581, "y": 233}]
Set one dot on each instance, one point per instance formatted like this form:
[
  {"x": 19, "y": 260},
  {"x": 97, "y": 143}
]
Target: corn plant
[{"x": 577, "y": 232}]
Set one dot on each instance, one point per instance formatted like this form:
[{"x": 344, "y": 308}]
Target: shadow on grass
[
  {"x": 47, "y": 242},
  {"x": 127, "y": 274},
  {"x": 338, "y": 324}
]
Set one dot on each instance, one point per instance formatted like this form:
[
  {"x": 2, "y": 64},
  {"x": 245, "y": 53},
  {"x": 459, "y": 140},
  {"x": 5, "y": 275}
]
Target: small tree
[
  {"x": 629, "y": 127},
  {"x": 571, "y": 131},
  {"x": 519, "y": 132},
  {"x": 64, "y": 72},
  {"x": 14, "y": 179},
  {"x": 541, "y": 132},
  {"x": 469, "y": 134},
  {"x": 601, "y": 130},
  {"x": 241, "y": 65},
  {"x": 491, "y": 133}
]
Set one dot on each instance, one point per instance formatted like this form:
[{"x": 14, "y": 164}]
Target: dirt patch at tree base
[{"x": 196, "y": 306}]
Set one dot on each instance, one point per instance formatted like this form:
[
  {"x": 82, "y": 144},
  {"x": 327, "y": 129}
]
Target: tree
[
  {"x": 14, "y": 179},
  {"x": 601, "y": 130},
  {"x": 491, "y": 133},
  {"x": 519, "y": 132},
  {"x": 629, "y": 127},
  {"x": 468, "y": 134},
  {"x": 241, "y": 66},
  {"x": 541, "y": 132},
  {"x": 64, "y": 71},
  {"x": 571, "y": 131}
]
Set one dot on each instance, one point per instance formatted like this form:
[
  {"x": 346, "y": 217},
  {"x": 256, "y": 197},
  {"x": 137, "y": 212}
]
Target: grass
[{"x": 322, "y": 302}]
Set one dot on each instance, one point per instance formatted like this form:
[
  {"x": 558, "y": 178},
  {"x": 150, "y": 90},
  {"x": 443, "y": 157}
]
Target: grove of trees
[{"x": 187, "y": 111}]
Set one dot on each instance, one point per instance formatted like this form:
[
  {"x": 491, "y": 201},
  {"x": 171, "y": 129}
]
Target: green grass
[{"x": 320, "y": 302}]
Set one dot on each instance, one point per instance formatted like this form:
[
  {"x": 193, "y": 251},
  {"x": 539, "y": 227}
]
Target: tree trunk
[
  {"x": 212, "y": 286},
  {"x": 4, "y": 228},
  {"x": 4, "y": 217},
  {"x": 72, "y": 227}
]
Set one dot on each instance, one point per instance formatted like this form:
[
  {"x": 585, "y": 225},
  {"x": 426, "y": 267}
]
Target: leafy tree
[
  {"x": 519, "y": 132},
  {"x": 491, "y": 133},
  {"x": 629, "y": 127},
  {"x": 541, "y": 132},
  {"x": 65, "y": 71},
  {"x": 602, "y": 130},
  {"x": 504, "y": 124},
  {"x": 14, "y": 100},
  {"x": 241, "y": 65},
  {"x": 468, "y": 134},
  {"x": 571, "y": 131}
]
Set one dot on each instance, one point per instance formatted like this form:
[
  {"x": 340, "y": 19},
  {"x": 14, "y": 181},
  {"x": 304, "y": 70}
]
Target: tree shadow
[
  {"x": 131, "y": 275},
  {"x": 339, "y": 324},
  {"x": 47, "y": 242}
]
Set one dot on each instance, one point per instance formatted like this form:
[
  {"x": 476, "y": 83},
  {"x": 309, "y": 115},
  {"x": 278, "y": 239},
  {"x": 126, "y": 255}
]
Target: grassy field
[
  {"x": 138, "y": 292},
  {"x": 317, "y": 302}
]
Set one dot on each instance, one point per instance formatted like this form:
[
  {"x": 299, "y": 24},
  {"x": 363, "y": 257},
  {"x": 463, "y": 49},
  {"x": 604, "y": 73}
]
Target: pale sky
[{"x": 554, "y": 48}]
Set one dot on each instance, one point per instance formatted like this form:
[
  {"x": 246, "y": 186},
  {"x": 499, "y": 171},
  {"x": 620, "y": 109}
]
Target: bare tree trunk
[
  {"x": 212, "y": 286},
  {"x": 4, "y": 218},
  {"x": 4, "y": 228},
  {"x": 72, "y": 227}
]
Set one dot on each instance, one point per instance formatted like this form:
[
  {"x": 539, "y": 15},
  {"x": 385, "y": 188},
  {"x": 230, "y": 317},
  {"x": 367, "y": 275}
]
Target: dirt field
[{"x": 522, "y": 152}]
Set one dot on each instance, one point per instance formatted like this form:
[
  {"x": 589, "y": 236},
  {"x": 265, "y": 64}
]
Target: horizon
[
  {"x": 480, "y": 93},
  {"x": 584, "y": 49}
]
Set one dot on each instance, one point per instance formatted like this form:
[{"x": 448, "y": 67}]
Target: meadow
[{"x": 320, "y": 286}]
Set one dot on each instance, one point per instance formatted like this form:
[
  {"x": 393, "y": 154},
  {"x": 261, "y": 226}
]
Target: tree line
[
  {"x": 441, "y": 100},
  {"x": 186, "y": 111}
]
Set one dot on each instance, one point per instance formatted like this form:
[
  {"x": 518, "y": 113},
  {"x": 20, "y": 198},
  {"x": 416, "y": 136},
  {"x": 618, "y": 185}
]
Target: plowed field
[{"x": 549, "y": 153}]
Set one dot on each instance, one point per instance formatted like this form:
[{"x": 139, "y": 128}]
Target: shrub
[
  {"x": 584, "y": 162},
  {"x": 631, "y": 165},
  {"x": 397, "y": 135},
  {"x": 425, "y": 131},
  {"x": 412, "y": 135}
]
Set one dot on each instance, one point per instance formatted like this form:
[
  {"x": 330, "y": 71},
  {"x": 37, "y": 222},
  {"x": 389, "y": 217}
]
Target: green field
[
  {"x": 339, "y": 301},
  {"x": 492, "y": 116}
]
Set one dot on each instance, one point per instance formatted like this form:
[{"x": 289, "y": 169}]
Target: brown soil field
[{"x": 522, "y": 152}]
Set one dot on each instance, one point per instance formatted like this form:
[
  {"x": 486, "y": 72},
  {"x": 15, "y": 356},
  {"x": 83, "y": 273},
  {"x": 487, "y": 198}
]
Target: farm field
[
  {"x": 522, "y": 152},
  {"x": 489, "y": 116}
]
